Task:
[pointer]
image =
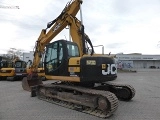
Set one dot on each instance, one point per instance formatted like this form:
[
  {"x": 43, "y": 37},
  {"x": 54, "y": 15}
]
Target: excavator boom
[{"x": 57, "y": 25}]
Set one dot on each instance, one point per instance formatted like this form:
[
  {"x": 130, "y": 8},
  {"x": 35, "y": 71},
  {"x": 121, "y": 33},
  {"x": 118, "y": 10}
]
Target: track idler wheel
[
  {"x": 103, "y": 104},
  {"x": 125, "y": 93},
  {"x": 31, "y": 80}
]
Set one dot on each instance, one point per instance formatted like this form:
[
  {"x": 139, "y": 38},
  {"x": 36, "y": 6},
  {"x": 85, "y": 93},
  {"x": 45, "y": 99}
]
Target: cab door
[{"x": 56, "y": 61}]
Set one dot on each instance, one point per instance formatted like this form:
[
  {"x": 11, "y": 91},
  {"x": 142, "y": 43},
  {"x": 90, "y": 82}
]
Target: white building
[
  {"x": 137, "y": 61},
  {"x": 28, "y": 56}
]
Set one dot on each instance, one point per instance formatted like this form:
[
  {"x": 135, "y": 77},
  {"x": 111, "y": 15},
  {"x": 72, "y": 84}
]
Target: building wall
[
  {"x": 146, "y": 64},
  {"x": 137, "y": 61},
  {"x": 28, "y": 56}
]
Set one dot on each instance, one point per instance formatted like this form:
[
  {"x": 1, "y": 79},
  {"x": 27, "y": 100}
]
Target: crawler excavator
[
  {"x": 13, "y": 70},
  {"x": 83, "y": 78}
]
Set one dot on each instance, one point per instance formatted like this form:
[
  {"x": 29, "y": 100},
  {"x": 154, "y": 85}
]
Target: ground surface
[{"x": 16, "y": 104}]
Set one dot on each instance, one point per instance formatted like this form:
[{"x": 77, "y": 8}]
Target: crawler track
[
  {"x": 123, "y": 92},
  {"x": 95, "y": 102}
]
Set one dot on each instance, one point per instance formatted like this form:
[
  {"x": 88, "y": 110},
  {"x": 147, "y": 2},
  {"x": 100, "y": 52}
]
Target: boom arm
[
  {"x": 78, "y": 35},
  {"x": 58, "y": 25}
]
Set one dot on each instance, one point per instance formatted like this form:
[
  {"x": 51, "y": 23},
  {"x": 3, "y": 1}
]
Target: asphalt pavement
[{"x": 16, "y": 104}]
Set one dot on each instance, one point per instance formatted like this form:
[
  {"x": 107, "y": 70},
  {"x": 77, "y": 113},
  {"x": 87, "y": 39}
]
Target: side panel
[
  {"x": 74, "y": 66},
  {"x": 98, "y": 69},
  {"x": 7, "y": 72}
]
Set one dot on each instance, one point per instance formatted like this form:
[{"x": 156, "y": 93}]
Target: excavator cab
[
  {"x": 20, "y": 69},
  {"x": 57, "y": 56}
]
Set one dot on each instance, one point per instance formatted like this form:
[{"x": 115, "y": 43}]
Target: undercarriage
[{"x": 100, "y": 101}]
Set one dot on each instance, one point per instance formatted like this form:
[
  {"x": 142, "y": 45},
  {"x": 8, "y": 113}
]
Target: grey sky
[{"x": 128, "y": 26}]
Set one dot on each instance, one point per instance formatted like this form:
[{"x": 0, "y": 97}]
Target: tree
[{"x": 14, "y": 53}]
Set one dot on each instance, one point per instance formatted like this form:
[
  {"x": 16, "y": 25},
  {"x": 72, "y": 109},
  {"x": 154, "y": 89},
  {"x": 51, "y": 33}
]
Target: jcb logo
[
  {"x": 111, "y": 69},
  {"x": 57, "y": 26}
]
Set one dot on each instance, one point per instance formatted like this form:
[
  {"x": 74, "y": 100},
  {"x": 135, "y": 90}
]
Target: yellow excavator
[
  {"x": 13, "y": 70},
  {"x": 81, "y": 78}
]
